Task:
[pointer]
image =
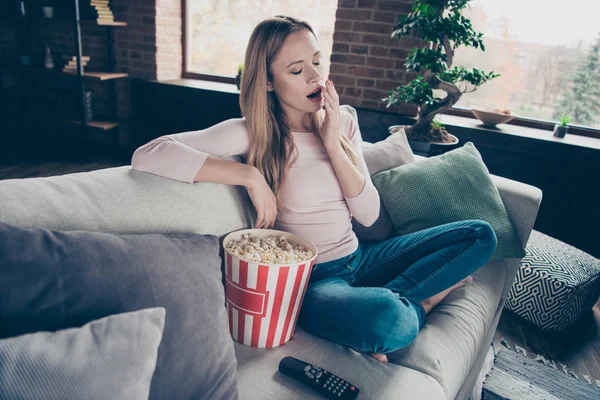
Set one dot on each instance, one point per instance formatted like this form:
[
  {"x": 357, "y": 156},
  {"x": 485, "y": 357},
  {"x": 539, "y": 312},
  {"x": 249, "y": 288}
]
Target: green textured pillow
[{"x": 450, "y": 187}]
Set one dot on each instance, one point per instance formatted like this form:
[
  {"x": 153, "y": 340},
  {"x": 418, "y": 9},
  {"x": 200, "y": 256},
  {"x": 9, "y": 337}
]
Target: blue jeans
[{"x": 370, "y": 299}]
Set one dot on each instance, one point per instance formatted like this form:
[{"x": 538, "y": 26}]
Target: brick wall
[
  {"x": 366, "y": 62},
  {"x": 168, "y": 39}
]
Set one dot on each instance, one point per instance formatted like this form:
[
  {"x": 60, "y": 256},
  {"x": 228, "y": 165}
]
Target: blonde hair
[{"x": 271, "y": 141}]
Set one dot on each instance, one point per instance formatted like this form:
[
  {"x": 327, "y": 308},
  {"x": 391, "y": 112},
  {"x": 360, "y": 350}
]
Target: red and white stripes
[{"x": 263, "y": 302}]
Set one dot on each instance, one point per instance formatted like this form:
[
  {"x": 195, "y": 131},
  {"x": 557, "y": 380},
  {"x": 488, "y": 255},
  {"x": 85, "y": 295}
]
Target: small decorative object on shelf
[
  {"x": 492, "y": 117},
  {"x": 89, "y": 114},
  {"x": 48, "y": 11},
  {"x": 49, "y": 61},
  {"x": 98, "y": 10},
  {"x": 238, "y": 78},
  {"x": 560, "y": 130},
  {"x": 21, "y": 8},
  {"x": 71, "y": 63}
]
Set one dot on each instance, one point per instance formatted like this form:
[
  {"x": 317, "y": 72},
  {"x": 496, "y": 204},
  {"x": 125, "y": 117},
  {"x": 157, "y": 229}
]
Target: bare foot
[
  {"x": 430, "y": 303},
  {"x": 378, "y": 356}
]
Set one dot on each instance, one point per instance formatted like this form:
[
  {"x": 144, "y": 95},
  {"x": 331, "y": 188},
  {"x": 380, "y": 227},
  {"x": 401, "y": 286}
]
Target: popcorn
[{"x": 272, "y": 249}]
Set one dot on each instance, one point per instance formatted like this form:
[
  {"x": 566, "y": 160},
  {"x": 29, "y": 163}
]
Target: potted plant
[
  {"x": 238, "y": 77},
  {"x": 441, "y": 25},
  {"x": 560, "y": 130}
]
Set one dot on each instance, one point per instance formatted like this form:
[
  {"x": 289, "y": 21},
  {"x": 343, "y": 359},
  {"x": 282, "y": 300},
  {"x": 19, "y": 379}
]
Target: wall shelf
[
  {"x": 113, "y": 23},
  {"x": 102, "y": 125},
  {"x": 92, "y": 75}
]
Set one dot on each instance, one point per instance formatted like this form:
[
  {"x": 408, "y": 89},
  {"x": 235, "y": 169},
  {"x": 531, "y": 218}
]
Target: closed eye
[{"x": 299, "y": 72}]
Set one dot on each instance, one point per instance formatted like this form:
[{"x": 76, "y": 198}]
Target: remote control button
[
  {"x": 339, "y": 394},
  {"x": 319, "y": 374},
  {"x": 352, "y": 388},
  {"x": 334, "y": 390},
  {"x": 309, "y": 375},
  {"x": 318, "y": 369},
  {"x": 307, "y": 368}
]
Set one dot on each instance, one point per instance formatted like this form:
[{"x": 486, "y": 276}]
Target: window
[
  {"x": 216, "y": 32},
  {"x": 548, "y": 58}
]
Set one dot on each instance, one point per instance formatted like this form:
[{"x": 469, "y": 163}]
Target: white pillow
[{"x": 392, "y": 152}]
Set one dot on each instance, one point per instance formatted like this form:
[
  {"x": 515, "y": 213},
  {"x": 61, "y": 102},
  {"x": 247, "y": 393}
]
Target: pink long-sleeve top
[{"x": 319, "y": 211}]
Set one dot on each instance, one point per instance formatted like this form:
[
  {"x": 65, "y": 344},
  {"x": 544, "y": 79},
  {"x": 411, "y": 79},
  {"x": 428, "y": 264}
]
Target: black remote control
[{"x": 323, "y": 381}]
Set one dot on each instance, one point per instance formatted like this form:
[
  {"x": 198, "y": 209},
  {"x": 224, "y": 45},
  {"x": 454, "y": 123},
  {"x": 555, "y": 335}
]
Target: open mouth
[{"x": 315, "y": 94}]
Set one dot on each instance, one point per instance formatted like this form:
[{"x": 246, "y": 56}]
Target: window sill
[
  {"x": 202, "y": 84},
  {"x": 465, "y": 127},
  {"x": 521, "y": 131}
]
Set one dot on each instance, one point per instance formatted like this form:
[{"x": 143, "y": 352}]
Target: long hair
[{"x": 271, "y": 141}]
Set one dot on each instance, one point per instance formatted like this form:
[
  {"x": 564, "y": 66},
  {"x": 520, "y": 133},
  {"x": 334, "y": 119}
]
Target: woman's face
[{"x": 297, "y": 72}]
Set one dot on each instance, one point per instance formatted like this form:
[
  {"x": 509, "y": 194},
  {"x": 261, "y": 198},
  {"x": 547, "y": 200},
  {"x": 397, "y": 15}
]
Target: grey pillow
[
  {"x": 51, "y": 280},
  {"x": 109, "y": 358}
]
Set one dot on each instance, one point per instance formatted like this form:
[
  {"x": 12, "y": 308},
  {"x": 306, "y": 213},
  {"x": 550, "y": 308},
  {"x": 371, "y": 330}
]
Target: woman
[{"x": 305, "y": 173}]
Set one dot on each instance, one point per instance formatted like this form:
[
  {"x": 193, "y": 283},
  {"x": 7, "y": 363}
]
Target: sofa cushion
[
  {"x": 455, "y": 331},
  {"x": 122, "y": 200},
  {"x": 450, "y": 187},
  {"x": 259, "y": 378},
  {"x": 51, "y": 280},
  {"x": 434, "y": 366},
  {"x": 109, "y": 358}
]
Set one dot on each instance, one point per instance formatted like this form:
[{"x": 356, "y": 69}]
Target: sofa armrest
[{"x": 522, "y": 203}]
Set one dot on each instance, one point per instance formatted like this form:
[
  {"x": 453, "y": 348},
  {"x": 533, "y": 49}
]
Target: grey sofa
[{"x": 442, "y": 363}]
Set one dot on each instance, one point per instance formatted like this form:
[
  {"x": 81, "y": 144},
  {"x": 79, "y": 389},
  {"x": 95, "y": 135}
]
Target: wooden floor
[{"x": 579, "y": 348}]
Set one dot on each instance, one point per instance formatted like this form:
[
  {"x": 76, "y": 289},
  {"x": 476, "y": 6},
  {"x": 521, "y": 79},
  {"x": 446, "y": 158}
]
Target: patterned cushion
[{"x": 555, "y": 284}]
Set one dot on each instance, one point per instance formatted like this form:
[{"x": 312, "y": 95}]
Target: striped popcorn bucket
[{"x": 263, "y": 300}]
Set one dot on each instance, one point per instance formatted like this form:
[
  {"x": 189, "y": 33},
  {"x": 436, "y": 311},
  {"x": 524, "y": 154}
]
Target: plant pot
[
  {"x": 428, "y": 149},
  {"x": 238, "y": 79},
  {"x": 560, "y": 131}
]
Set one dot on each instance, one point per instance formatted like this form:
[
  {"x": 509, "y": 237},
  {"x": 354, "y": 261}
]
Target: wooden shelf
[
  {"x": 92, "y": 75},
  {"x": 103, "y": 125},
  {"x": 114, "y": 23},
  {"x": 101, "y": 76}
]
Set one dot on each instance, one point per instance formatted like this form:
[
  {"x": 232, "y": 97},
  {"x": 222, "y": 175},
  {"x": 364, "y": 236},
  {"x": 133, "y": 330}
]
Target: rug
[{"x": 515, "y": 375}]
